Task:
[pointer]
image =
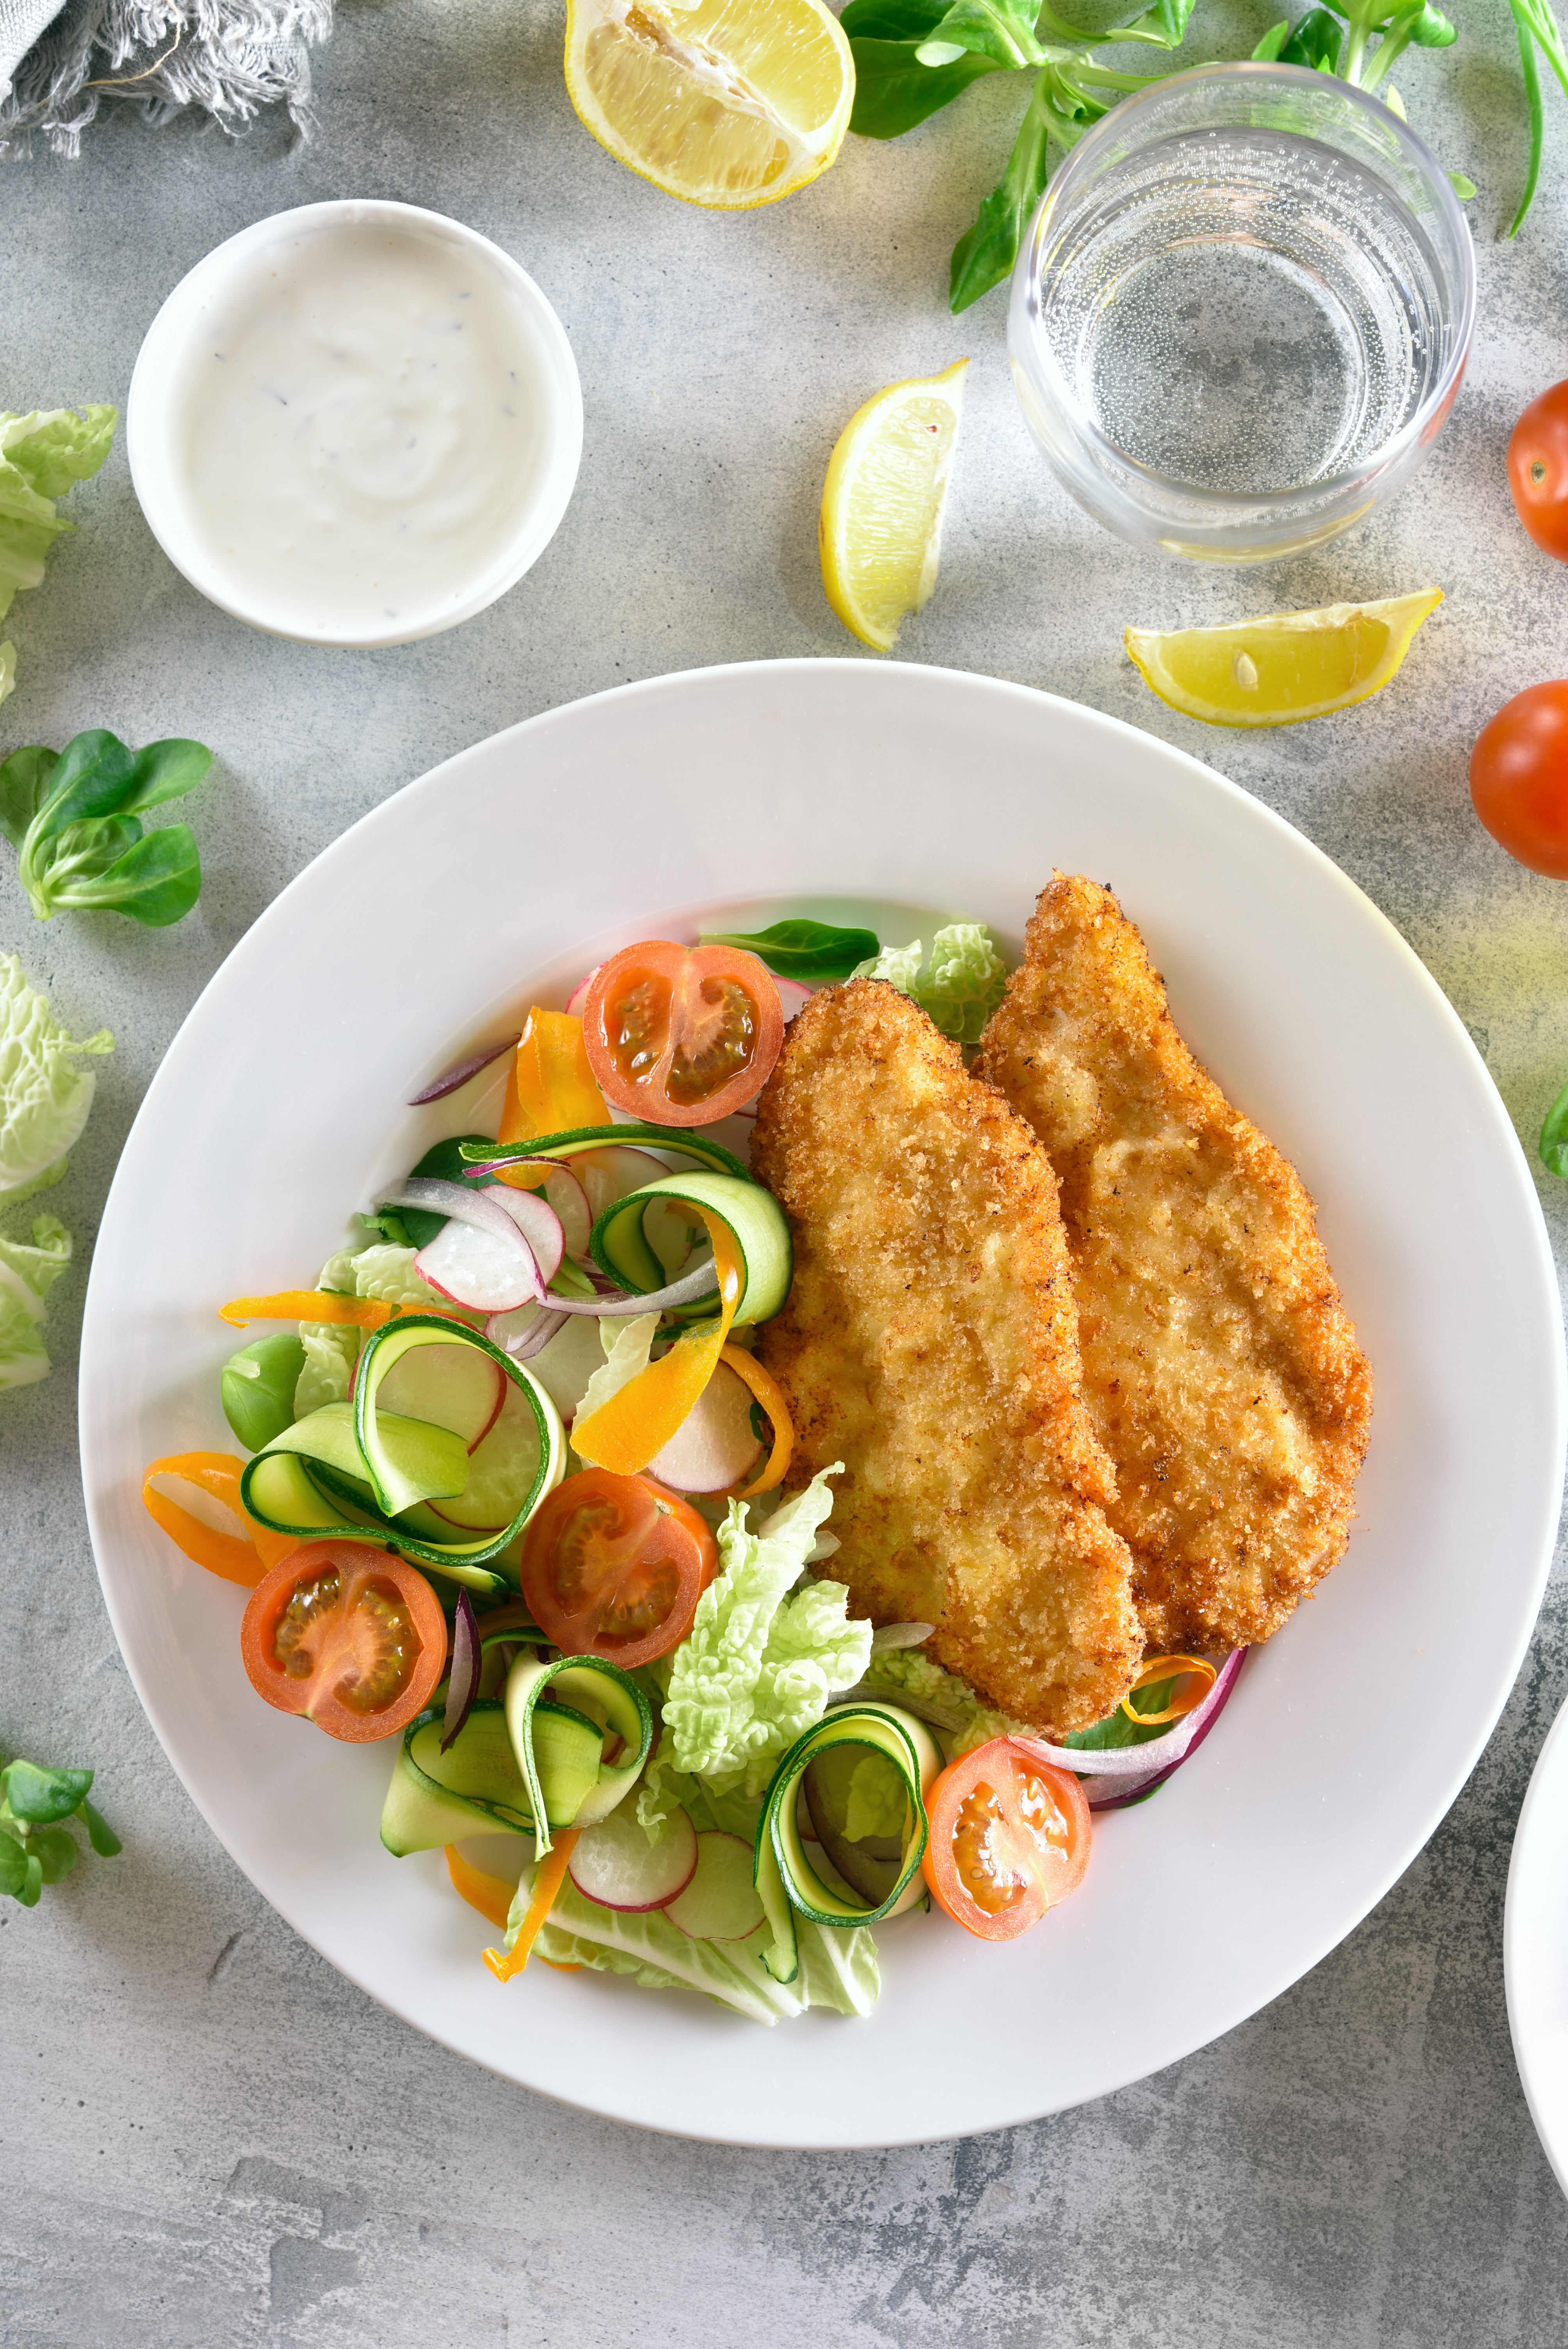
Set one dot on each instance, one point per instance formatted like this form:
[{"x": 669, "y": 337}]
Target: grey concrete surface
[{"x": 209, "y": 2138}]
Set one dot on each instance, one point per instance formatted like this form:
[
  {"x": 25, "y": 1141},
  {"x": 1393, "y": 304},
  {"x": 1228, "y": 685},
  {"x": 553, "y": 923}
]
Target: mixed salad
[{"x": 514, "y": 1502}]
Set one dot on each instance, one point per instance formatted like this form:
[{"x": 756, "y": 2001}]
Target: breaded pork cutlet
[
  {"x": 1221, "y": 1371},
  {"x": 930, "y": 1344}
]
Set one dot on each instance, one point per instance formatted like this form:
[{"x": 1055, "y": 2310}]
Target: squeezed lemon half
[
  {"x": 1278, "y": 671},
  {"x": 880, "y": 533},
  {"x": 728, "y": 103}
]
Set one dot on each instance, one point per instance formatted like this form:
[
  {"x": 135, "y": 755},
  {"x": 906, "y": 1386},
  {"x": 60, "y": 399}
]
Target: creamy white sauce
[{"x": 360, "y": 431}]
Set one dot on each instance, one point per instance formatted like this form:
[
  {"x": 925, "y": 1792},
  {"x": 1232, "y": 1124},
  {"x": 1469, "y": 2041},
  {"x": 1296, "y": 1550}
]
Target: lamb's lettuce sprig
[
  {"x": 36, "y": 1848},
  {"x": 74, "y": 819}
]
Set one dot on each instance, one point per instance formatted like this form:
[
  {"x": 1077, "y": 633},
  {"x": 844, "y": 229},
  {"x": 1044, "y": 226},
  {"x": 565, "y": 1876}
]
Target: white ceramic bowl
[{"x": 158, "y": 434}]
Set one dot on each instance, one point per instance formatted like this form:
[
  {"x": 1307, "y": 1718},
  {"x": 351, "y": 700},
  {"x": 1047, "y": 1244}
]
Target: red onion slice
[
  {"x": 1135, "y": 1767},
  {"x": 460, "y": 1073},
  {"x": 462, "y": 1671},
  {"x": 703, "y": 1282},
  {"x": 547, "y": 1324}
]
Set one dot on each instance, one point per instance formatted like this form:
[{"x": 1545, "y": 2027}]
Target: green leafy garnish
[
  {"x": 812, "y": 953},
  {"x": 74, "y": 820},
  {"x": 26, "y": 1275},
  {"x": 44, "y": 1096},
  {"x": 959, "y": 988},
  {"x": 914, "y": 57},
  {"x": 1555, "y": 1136},
  {"x": 1115, "y": 1730},
  {"x": 41, "y": 454},
  {"x": 35, "y": 1848}
]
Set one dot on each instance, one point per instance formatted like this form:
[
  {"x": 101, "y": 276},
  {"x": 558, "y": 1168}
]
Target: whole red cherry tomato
[
  {"x": 1538, "y": 470},
  {"x": 1519, "y": 777}
]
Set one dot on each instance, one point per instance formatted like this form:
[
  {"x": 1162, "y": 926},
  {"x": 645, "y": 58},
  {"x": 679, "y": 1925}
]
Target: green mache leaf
[
  {"x": 1172, "y": 16},
  {"x": 43, "y": 1797},
  {"x": 1272, "y": 42},
  {"x": 1432, "y": 30},
  {"x": 57, "y": 1853},
  {"x": 13, "y": 1863},
  {"x": 1115, "y": 1730},
  {"x": 24, "y": 786},
  {"x": 388, "y": 1225},
  {"x": 257, "y": 1389},
  {"x": 155, "y": 881},
  {"x": 101, "y": 1835},
  {"x": 893, "y": 91},
  {"x": 1317, "y": 42},
  {"x": 813, "y": 953},
  {"x": 985, "y": 256},
  {"x": 1555, "y": 1136},
  {"x": 892, "y": 20},
  {"x": 1002, "y": 30},
  {"x": 1464, "y": 189},
  {"x": 91, "y": 776},
  {"x": 443, "y": 1163}
]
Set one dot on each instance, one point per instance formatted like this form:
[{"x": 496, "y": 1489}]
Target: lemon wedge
[
  {"x": 880, "y": 528},
  {"x": 729, "y": 103},
  {"x": 1278, "y": 671}
]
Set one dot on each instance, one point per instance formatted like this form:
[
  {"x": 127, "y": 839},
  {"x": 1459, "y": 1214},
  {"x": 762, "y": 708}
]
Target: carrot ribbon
[
  {"x": 1194, "y": 1670},
  {"x": 766, "y": 1391},
  {"x": 624, "y": 1433},
  {"x": 551, "y": 1089},
  {"x": 547, "y": 1884}
]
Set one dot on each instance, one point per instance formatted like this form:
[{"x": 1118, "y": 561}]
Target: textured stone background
[{"x": 211, "y": 2139}]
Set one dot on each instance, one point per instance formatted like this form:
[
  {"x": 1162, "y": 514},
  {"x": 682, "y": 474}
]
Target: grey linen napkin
[{"x": 59, "y": 59}]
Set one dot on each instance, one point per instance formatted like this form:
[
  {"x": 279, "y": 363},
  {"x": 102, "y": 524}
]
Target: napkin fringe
[{"x": 230, "y": 57}]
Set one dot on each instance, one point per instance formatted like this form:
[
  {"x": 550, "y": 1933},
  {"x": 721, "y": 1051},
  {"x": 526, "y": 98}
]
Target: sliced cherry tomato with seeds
[
  {"x": 681, "y": 1035},
  {"x": 1009, "y": 1838},
  {"x": 351, "y": 1636},
  {"x": 614, "y": 1567}
]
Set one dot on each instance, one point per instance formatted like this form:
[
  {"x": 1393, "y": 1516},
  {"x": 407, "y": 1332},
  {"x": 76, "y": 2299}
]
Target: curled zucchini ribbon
[
  {"x": 787, "y": 1880},
  {"x": 359, "y": 1473},
  {"x": 529, "y": 1762}
]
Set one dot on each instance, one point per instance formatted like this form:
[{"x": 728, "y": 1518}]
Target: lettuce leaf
[
  {"x": 41, "y": 454},
  {"x": 26, "y": 1275},
  {"x": 330, "y": 1350},
  {"x": 961, "y": 986},
  {"x": 657, "y": 1955},
  {"x": 906, "y": 1669},
  {"x": 44, "y": 1096},
  {"x": 758, "y": 1667}
]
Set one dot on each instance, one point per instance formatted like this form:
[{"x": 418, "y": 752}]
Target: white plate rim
[
  {"x": 873, "y": 679},
  {"x": 1540, "y": 1840}
]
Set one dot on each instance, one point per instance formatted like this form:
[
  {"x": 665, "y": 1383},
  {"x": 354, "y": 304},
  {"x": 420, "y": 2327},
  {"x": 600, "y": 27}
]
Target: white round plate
[
  {"x": 810, "y": 785},
  {"x": 1535, "y": 1947}
]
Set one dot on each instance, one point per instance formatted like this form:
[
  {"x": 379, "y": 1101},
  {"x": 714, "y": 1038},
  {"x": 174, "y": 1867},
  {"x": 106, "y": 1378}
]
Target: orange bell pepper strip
[
  {"x": 551, "y": 1089},
  {"x": 770, "y": 1395},
  {"x": 308, "y": 1304},
  {"x": 236, "y": 1560},
  {"x": 1196, "y": 1671},
  {"x": 624, "y": 1433},
  {"x": 547, "y": 1885},
  {"x": 490, "y": 1895}
]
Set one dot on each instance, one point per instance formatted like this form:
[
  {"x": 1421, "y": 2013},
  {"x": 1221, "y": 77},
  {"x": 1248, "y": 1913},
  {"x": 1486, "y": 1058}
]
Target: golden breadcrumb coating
[
  {"x": 1219, "y": 1367},
  {"x": 929, "y": 1343}
]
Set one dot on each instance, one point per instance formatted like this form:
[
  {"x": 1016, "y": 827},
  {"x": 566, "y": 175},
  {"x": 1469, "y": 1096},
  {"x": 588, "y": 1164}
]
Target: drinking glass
[{"x": 1242, "y": 312}]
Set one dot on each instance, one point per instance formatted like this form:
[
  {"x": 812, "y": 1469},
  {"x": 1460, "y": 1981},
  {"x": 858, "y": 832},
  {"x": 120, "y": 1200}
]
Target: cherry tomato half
[
  {"x": 1519, "y": 778},
  {"x": 1538, "y": 470},
  {"x": 614, "y": 1567},
  {"x": 351, "y": 1636},
  {"x": 681, "y": 1035},
  {"x": 1009, "y": 1838}
]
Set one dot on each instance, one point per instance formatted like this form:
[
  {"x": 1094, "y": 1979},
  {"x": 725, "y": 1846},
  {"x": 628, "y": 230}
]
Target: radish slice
[
  {"x": 462, "y": 1071},
  {"x": 536, "y": 1219},
  {"x": 569, "y": 1201},
  {"x": 615, "y": 1864},
  {"x": 480, "y": 1269},
  {"x": 720, "y": 1903},
  {"x": 792, "y": 997},
  {"x": 609, "y": 1173},
  {"x": 579, "y": 995},
  {"x": 449, "y": 1386},
  {"x": 715, "y": 1443},
  {"x": 502, "y": 1468}
]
